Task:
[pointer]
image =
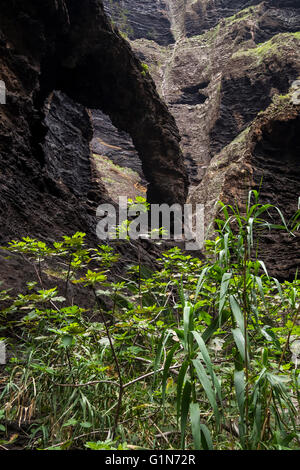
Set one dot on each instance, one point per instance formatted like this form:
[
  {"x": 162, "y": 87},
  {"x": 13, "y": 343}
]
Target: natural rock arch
[{"x": 63, "y": 45}]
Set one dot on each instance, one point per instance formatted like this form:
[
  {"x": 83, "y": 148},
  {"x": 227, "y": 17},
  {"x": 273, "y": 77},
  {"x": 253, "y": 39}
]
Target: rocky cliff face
[
  {"x": 216, "y": 63},
  {"x": 55, "y": 54},
  {"x": 142, "y": 19},
  {"x": 228, "y": 62},
  {"x": 264, "y": 157},
  {"x": 215, "y": 83}
]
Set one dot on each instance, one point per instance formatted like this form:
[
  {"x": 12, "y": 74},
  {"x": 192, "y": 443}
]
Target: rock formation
[
  {"x": 264, "y": 157},
  {"x": 54, "y": 54},
  {"x": 74, "y": 80},
  {"x": 229, "y": 61}
]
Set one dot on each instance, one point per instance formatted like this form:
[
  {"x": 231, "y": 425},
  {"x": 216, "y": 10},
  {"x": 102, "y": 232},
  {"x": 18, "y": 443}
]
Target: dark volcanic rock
[
  {"x": 230, "y": 61},
  {"x": 191, "y": 95},
  {"x": 67, "y": 144},
  {"x": 201, "y": 16},
  {"x": 278, "y": 17},
  {"x": 47, "y": 179},
  {"x": 217, "y": 82},
  {"x": 218, "y": 64},
  {"x": 114, "y": 144},
  {"x": 142, "y": 19},
  {"x": 121, "y": 89},
  {"x": 264, "y": 157},
  {"x": 246, "y": 89}
]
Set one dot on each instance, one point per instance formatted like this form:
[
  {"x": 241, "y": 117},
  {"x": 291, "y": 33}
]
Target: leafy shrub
[{"x": 196, "y": 355}]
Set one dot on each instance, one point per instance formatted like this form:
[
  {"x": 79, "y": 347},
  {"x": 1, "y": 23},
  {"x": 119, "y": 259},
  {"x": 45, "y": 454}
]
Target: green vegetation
[
  {"x": 275, "y": 46},
  {"x": 247, "y": 13},
  {"x": 212, "y": 34},
  {"x": 119, "y": 16},
  {"x": 118, "y": 180},
  {"x": 145, "y": 68},
  {"x": 281, "y": 100},
  {"x": 196, "y": 355}
]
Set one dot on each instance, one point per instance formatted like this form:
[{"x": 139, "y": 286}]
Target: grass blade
[
  {"x": 239, "y": 384},
  {"x": 223, "y": 290},
  {"x": 200, "y": 283},
  {"x": 235, "y": 308},
  {"x": 166, "y": 370},
  {"x": 239, "y": 341},
  {"x": 195, "y": 423},
  {"x": 206, "y": 439},
  {"x": 185, "y": 405},
  {"x": 180, "y": 382},
  {"x": 206, "y": 358},
  {"x": 205, "y": 382}
]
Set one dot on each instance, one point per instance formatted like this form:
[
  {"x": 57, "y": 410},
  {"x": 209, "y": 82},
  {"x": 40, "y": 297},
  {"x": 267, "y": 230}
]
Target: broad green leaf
[
  {"x": 260, "y": 288},
  {"x": 205, "y": 382},
  {"x": 200, "y": 283},
  {"x": 161, "y": 344},
  {"x": 239, "y": 341},
  {"x": 166, "y": 370},
  {"x": 86, "y": 424},
  {"x": 269, "y": 334},
  {"x": 206, "y": 358},
  {"x": 262, "y": 209},
  {"x": 239, "y": 384},
  {"x": 250, "y": 233},
  {"x": 180, "y": 382},
  {"x": 264, "y": 268},
  {"x": 195, "y": 423},
  {"x": 185, "y": 405},
  {"x": 258, "y": 421},
  {"x": 235, "y": 308},
  {"x": 67, "y": 340},
  {"x": 181, "y": 292},
  {"x": 278, "y": 288},
  {"x": 223, "y": 290},
  {"x": 206, "y": 439},
  {"x": 70, "y": 422},
  {"x": 187, "y": 323}
]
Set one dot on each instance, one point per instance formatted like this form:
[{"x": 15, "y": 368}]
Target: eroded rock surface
[
  {"x": 216, "y": 63},
  {"x": 264, "y": 157},
  {"x": 230, "y": 59},
  {"x": 215, "y": 83},
  {"x": 55, "y": 54},
  {"x": 143, "y": 18}
]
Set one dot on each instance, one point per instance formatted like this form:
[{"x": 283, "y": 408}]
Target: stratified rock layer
[
  {"x": 264, "y": 157},
  {"x": 145, "y": 18},
  {"x": 49, "y": 184},
  {"x": 229, "y": 61},
  {"x": 216, "y": 83},
  {"x": 216, "y": 63}
]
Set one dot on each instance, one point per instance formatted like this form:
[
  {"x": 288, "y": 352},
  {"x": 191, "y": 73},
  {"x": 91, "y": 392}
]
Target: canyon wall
[
  {"x": 58, "y": 59},
  {"x": 230, "y": 60},
  {"x": 87, "y": 121}
]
